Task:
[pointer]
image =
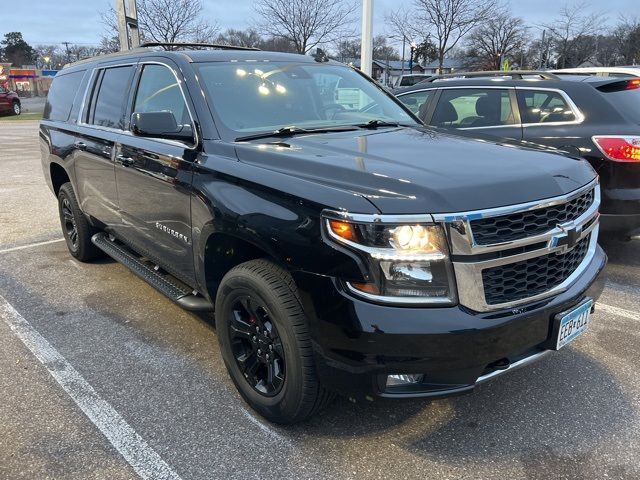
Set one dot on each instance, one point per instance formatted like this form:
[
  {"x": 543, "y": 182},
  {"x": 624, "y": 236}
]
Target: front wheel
[
  {"x": 265, "y": 344},
  {"x": 17, "y": 108}
]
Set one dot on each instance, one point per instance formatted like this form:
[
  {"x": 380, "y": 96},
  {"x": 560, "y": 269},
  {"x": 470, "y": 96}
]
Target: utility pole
[
  {"x": 542, "y": 48},
  {"x": 128, "y": 24},
  {"x": 366, "y": 52},
  {"x": 66, "y": 47}
]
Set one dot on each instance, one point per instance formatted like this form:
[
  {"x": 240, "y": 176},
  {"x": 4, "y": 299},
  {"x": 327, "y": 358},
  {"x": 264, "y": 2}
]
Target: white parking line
[
  {"x": 144, "y": 459},
  {"x": 621, "y": 312},
  {"x": 31, "y": 245},
  {"x": 265, "y": 428}
]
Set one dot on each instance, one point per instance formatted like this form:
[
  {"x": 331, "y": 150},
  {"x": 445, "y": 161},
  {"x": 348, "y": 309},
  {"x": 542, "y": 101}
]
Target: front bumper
[{"x": 358, "y": 344}]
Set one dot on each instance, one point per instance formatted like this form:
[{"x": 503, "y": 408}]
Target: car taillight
[
  {"x": 633, "y": 84},
  {"x": 619, "y": 149}
]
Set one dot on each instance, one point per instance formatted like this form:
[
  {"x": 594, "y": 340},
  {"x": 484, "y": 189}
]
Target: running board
[{"x": 179, "y": 294}]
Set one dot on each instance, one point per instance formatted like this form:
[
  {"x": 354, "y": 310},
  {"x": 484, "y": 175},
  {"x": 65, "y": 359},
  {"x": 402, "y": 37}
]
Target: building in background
[{"x": 26, "y": 82}]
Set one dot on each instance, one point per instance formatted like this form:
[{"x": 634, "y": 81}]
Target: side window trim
[
  {"x": 134, "y": 92},
  {"x": 579, "y": 116}
]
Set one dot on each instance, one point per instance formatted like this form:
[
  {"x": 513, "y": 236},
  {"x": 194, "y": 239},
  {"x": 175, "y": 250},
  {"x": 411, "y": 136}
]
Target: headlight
[{"x": 408, "y": 262}]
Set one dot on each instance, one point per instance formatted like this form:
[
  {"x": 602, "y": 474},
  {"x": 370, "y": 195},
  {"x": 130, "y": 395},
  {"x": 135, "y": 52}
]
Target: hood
[{"x": 412, "y": 171}]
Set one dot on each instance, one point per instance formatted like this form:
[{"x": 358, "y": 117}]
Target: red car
[{"x": 9, "y": 102}]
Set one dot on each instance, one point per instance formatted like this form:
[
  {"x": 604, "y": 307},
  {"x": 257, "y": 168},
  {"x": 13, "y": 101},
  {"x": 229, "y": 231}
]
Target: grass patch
[{"x": 23, "y": 117}]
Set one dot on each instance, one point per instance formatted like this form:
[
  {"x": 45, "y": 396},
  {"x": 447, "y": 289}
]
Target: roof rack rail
[
  {"x": 195, "y": 45},
  {"x": 514, "y": 74}
]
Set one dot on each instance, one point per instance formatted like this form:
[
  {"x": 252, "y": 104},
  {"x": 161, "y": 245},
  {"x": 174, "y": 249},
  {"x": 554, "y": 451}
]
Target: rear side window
[
  {"x": 410, "y": 81},
  {"x": 473, "y": 108},
  {"x": 109, "y": 95},
  {"x": 417, "y": 102},
  {"x": 544, "y": 106},
  {"x": 61, "y": 95},
  {"x": 627, "y": 102}
]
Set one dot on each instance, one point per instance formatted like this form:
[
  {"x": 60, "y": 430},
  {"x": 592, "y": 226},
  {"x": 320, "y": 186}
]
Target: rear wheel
[
  {"x": 75, "y": 227},
  {"x": 265, "y": 342},
  {"x": 16, "y": 109}
]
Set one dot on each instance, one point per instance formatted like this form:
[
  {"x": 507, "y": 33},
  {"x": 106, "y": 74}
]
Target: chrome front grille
[
  {"x": 510, "y": 256},
  {"x": 516, "y": 226}
]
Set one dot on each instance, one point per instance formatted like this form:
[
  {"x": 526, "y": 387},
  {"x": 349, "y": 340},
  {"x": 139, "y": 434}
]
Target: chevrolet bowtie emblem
[{"x": 569, "y": 237}]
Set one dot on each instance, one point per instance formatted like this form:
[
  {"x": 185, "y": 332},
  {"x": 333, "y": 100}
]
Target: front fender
[{"x": 284, "y": 226}]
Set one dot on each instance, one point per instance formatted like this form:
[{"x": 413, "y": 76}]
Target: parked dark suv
[
  {"x": 593, "y": 117},
  {"x": 9, "y": 102},
  {"x": 346, "y": 248}
]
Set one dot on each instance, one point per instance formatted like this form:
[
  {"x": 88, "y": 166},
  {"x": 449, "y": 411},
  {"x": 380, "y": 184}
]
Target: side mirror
[
  {"x": 160, "y": 125},
  {"x": 409, "y": 101}
]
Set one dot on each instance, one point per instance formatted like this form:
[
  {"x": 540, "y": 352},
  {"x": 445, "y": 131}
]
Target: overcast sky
[{"x": 78, "y": 21}]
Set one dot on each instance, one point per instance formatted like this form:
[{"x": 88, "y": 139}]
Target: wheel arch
[
  {"x": 59, "y": 177},
  {"x": 224, "y": 251}
]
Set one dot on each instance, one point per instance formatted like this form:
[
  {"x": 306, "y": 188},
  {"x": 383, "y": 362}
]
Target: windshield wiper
[
  {"x": 378, "y": 123},
  {"x": 293, "y": 130}
]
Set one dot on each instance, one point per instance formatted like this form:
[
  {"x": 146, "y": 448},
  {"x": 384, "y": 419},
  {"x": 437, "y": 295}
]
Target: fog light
[{"x": 400, "y": 380}]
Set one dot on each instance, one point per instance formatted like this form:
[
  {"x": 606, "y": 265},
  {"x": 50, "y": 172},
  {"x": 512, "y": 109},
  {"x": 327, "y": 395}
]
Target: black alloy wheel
[
  {"x": 256, "y": 346},
  {"x": 70, "y": 228},
  {"x": 265, "y": 342},
  {"x": 75, "y": 227}
]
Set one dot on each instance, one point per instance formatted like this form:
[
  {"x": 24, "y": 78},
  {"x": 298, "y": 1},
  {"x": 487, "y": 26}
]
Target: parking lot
[{"x": 103, "y": 377}]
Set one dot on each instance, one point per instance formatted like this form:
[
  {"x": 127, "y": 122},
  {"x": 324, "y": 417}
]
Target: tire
[
  {"x": 261, "y": 290},
  {"x": 16, "y": 108},
  {"x": 75, "y": 227}
]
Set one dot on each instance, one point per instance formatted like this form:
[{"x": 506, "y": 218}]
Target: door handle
[
  {"x": 80, "y": 145},
  {"x": 124, "y": 161}
]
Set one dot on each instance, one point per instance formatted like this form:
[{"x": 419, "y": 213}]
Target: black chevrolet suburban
[{"x": 344, "y": 247}]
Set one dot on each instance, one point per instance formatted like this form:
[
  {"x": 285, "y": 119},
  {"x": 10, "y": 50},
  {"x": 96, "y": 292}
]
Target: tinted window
[
  {"x": 622, "y": 75},
  {"x": 473, "y": 107},
  {"x": 159, "y": 91},
  {"x": 410, "y": 81},
  {"x": 108, "y": 106},
  {"x": 541, "y": 106},
  {"x": 61, "y": 95},
  {"x": 627, "y": 102},
  {"x": 417, "y": 102}
]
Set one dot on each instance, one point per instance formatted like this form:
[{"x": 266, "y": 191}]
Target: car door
[
  {"x": 154, "y": 175},
  {"x": 418, "y": 101},
  {"x": 101, "y": 124},
  {"x": 487, "y": 110},
  {"x": 549, "y": 117},
  {"x": 5, "y": 101}
]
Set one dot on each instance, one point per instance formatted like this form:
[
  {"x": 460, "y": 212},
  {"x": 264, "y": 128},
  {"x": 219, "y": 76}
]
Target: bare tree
[
  {"x": 571, "y": 29},
  {"x": 349, "y": 49},
  {"x": 627, "y": 36},
  {"x": 447, "y": 21},
  {"x": 495, "y": 39},
  {"x": 305, "y": 23},
  {"x": 240, "y": 38},
  {"x": 165, "y": 21}
]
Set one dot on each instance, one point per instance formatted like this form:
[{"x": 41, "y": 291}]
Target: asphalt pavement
[{"x": 102, "y": 377}]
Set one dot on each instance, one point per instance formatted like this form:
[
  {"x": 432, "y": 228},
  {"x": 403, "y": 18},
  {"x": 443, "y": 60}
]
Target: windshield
[{"x": 254, "y": 97}]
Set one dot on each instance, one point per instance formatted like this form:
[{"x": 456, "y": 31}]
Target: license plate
[{"x": 573, "y": 323}]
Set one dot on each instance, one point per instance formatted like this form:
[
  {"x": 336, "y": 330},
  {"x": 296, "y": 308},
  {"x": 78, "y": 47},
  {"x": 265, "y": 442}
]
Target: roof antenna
[{"x": 320, "y": 56}]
